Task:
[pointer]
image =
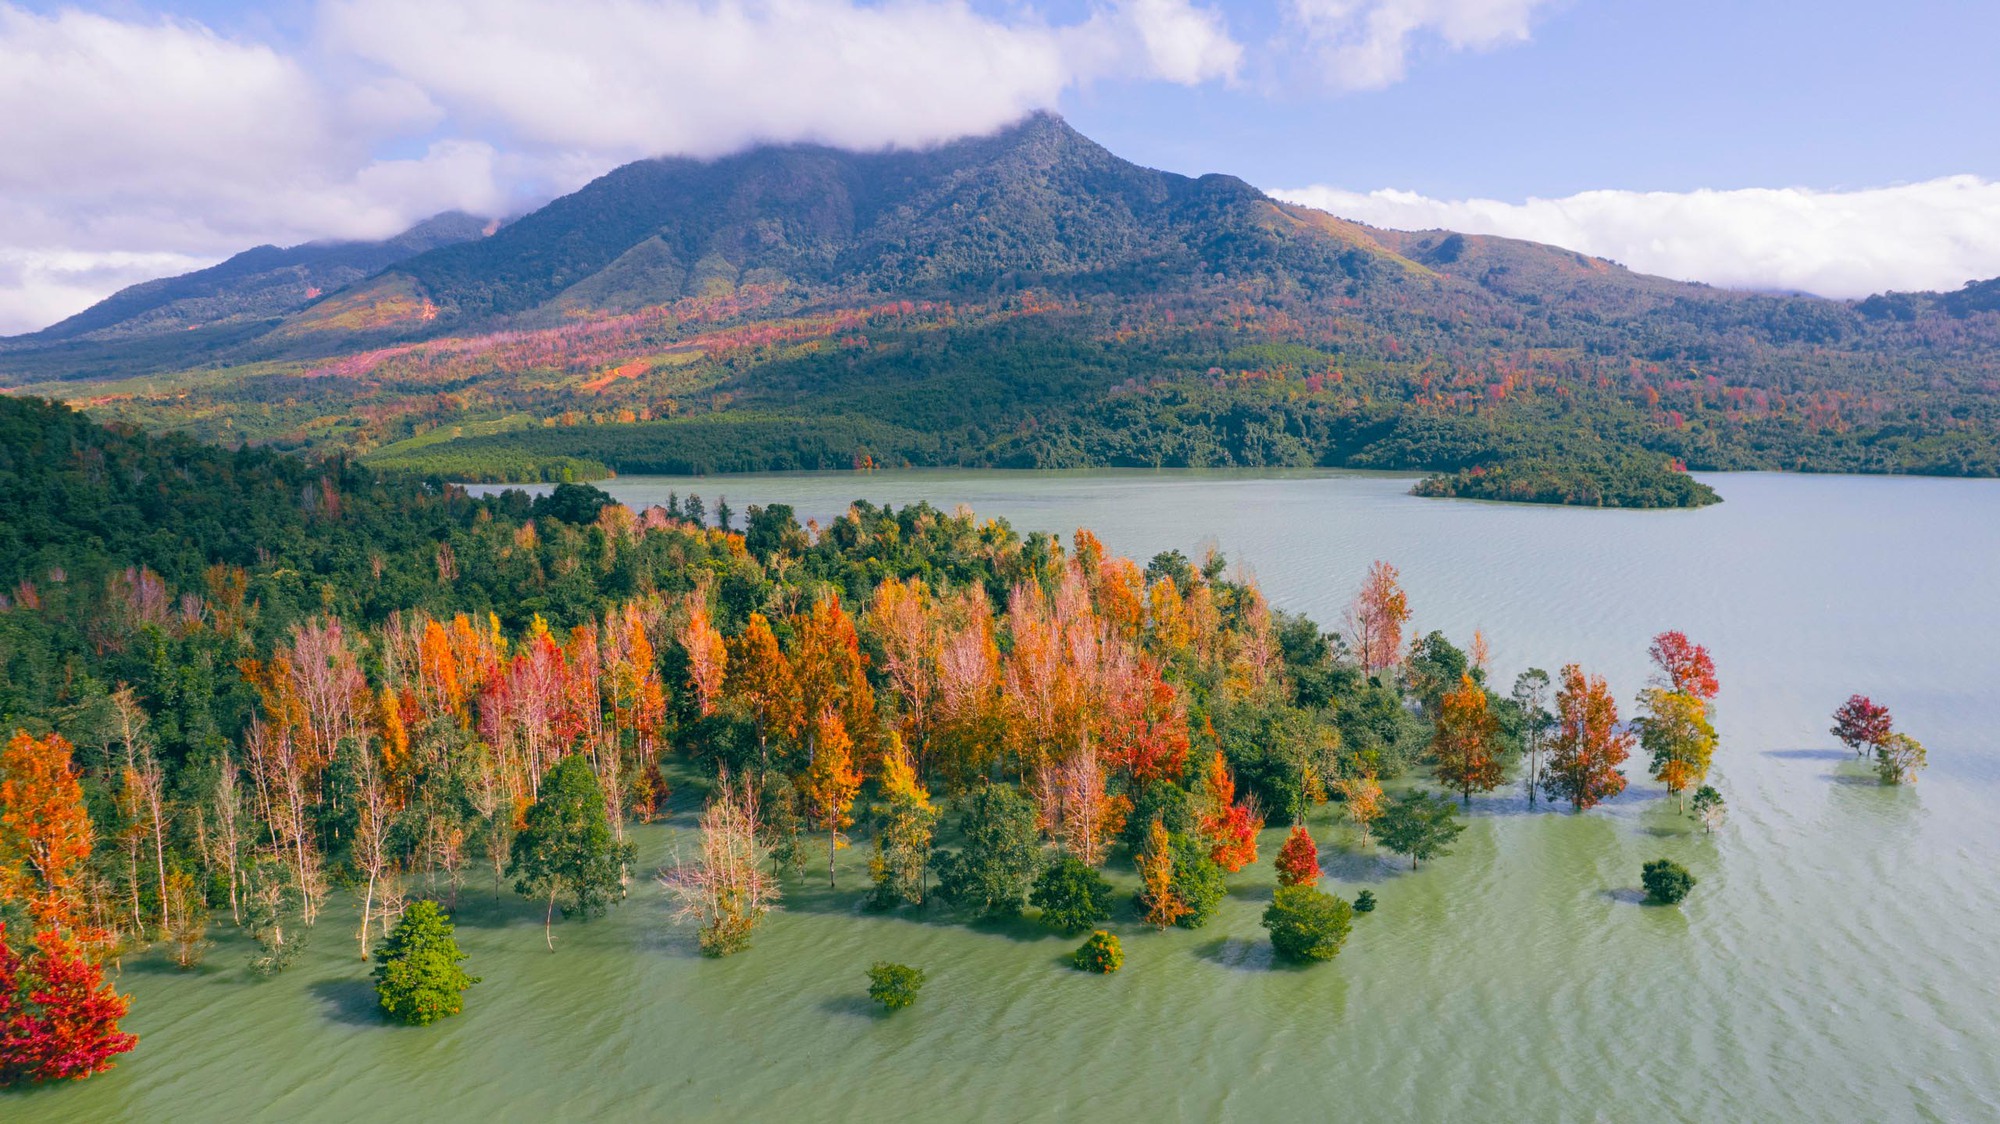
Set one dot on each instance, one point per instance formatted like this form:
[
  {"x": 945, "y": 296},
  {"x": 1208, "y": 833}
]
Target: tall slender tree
[
  {"x": 1531, "y": 696},
  {"x": 1463, "y": 742},
  {"x": 1377, "y": 617}
]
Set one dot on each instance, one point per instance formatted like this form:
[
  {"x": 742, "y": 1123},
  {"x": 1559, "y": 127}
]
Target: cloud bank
[
  {"x": 1932, "y": 235},
  {"x": 635, "y": 79},
  {"x": 142, "y": 147},
  {"x": 139, "y": 146}
]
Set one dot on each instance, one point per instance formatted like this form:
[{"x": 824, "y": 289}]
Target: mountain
[
  {"x": 1028, "y": 298},
  {"x": 260, "y": 284}
]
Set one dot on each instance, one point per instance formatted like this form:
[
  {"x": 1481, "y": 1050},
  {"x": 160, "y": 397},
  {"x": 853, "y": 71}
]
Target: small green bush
[
  {"x": 1071, "y": 895},
  {"x": 417, "y": 977},
  {"x": 1666, "y": 881},
  {"x": 894, "y": 986},
  {"x": 1307, "y": 923},
  {"x": 1101, "y": 954},
  {"x": 1364, "y": 902}
]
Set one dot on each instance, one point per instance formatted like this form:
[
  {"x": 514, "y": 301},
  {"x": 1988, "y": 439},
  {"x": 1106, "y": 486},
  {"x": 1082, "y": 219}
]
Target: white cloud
[
  {"x": 140, "y": 149},
  {"x": 1932, "y": 235},
  {"x": 144, "y": 146},
  {"x": 1366, "y": 44},
  {"x": 631, "y": 78}
]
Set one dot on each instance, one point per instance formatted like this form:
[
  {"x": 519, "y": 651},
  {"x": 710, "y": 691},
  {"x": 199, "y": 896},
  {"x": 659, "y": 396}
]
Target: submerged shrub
[
  {"x": 1101, "y": 954},
  {"x": 1666, "y": 881},
  {"x": 894, "y": 986},
  {"x": 1307, "y": 923}
]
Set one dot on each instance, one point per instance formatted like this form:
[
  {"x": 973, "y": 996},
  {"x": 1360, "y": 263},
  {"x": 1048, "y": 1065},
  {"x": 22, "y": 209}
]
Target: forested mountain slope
[{"x": 1029, "y": 298}]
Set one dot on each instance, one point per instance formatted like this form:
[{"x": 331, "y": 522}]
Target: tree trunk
[
  {"x": 367, "y": 912},
  {"x": 549, "y": 922}
]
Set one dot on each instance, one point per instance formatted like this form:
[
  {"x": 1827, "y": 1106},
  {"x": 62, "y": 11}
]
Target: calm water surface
[{"x": 1840, "y": 959}]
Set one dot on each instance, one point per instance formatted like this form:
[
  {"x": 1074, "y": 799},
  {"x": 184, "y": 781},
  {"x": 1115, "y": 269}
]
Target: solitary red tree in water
[{"x": 1860, "y": 723}]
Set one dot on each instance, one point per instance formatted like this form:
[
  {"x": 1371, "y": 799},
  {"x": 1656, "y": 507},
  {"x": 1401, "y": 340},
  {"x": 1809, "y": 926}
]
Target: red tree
[
  {"x": 1860, "y": 723},
  {"x": 1298, "y": 859},
  {"x": 58, "y": 1018},
  {"x": 1232, "y": 827},
  {"x": 1683, "y": 665}
]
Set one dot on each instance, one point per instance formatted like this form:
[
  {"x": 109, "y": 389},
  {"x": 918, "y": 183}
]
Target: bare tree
[{"x": 725, "y": 891}]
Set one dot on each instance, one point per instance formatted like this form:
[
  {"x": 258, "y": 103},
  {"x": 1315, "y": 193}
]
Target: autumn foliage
[
  {"x": 1861, "y": 724},
  {"x": 58, "y": 1018},
  {"x": 1298, "y": 859},
  {"x": 1231, "y": 826},
  {"x": 1588, "y": 746},
  {"x": 1463, "y": 741},
  {"x": 45, "y": 834}
]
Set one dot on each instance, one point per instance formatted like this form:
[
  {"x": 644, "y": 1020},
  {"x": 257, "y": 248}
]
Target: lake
[{"x": 1836, "y": 961}]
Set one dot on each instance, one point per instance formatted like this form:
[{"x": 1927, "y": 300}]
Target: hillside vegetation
[{"x": 1029, "y": 299}]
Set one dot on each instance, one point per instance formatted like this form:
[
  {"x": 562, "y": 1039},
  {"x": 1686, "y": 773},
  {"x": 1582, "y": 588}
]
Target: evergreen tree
[
  {"x": 417, "y": 977},
  {"x": 566, "y": 853},
  {"x": 1071, "y": 895},
  {"x": 991, "y": 872},
  {"x": 1307, "y": 923}
]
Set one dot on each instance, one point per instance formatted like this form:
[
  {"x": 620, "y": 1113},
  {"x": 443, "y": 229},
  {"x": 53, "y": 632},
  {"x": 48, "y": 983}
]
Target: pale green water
[{"x": 1840, "y": 959}]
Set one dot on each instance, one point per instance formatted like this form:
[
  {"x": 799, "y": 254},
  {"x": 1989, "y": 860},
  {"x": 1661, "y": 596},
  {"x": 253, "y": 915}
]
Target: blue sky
[{"x": 1841, "y": 148}]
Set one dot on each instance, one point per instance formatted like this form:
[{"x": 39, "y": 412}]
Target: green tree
[
  {"x": 1197, "y": 881},
  {"x": 1708, "y": 807},
  {"x": 417, "y": 977},
  {"x": 894, "y": 986},
  {"x": 1071, "y": 895},
  {"x": 1307, "y": 923},
  {"x": 991, "y": 871},
  {"x": 1434, "y": 666},
  {"x": 1164, "y": 801},
  {"x": 1419, "y": 825},
  {"x": 566, "y": 853},
  {"x": 1666, "y": 881}
]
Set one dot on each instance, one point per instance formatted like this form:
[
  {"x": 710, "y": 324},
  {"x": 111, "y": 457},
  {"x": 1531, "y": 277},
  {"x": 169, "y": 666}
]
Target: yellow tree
[
  {"x": 1162, "y": 905},
  {"x": 1674, "y": 731},
  {"x": 708, "y": 658},
  {"x": 827, "y": 662},
  {"x": 830, "y": 782},
  {"x": 1363, "y": 797}
]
